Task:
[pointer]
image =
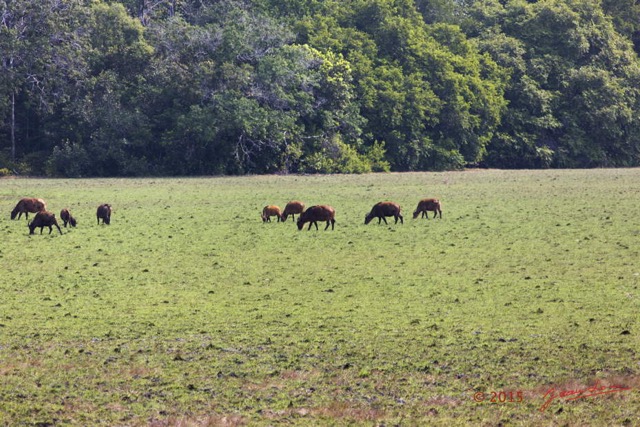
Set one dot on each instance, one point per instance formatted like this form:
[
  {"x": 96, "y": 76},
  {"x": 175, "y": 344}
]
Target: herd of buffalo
[
  {"x": 44, "y": 218},
  {"x": 312, "y": 215},
  {"x": 327, "y": 213}
]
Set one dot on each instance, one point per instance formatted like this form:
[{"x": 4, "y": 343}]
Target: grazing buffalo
[
  {"x": 27, "y": 205},
  {"x": 315, "y": 214},
  {"x": 294, "y": 207},
  {"x": 104, "y": 213},
  {"x": 44, "y": 219},
  {"x": 383, "y": 209},
  {"x": 67, "y": 218},
  {"x": 426, "y": 205},
  {"x": 270, "y": 211}
]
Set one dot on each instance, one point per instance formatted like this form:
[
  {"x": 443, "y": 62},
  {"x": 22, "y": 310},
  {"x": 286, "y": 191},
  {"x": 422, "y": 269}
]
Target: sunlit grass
[{"x": 188, "y": 310}]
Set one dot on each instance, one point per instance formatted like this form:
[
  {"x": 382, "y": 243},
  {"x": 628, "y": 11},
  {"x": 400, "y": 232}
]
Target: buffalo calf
[
  {"x": 293, "y": 207},
  {"x": 67, "y": 218},
  {"x": 44, "y": 219},
  {"x": 270, "y": 211},
  {"x": 104, "y": 214},
  {"x": 383, "y": 209},
  {"x": 428, "y": 205}
]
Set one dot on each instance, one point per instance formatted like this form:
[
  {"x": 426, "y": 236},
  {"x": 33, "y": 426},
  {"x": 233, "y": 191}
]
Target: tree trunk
[{"x": 13, "y": 126}]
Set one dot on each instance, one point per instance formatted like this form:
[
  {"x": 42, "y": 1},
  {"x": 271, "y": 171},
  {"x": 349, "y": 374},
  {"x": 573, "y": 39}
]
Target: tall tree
[
  {"x": 39, "y": 55},
  {"x": 573, "y": 87},
  {"x": 425, "y": 91},
  {"x": 252, "y": 100},
  {"x": 105, "y": 120},
  {"x": 626, "y": 18}
]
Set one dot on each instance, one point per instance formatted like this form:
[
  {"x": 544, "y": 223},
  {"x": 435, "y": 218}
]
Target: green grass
[{"x": 188, "y": 310}]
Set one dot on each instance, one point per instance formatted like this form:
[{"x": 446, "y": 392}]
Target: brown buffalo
[
  {"x": 104, "y": 213},
  {"x": 67, "y": 218},
  {"x": 294, "y": 207},
  {"x": 269, "y": 211},
  {"x": 428, "y": 205},
  {"x": 383, "y": 209},
  {"x": 44, "y": 219},
  {"x": 27, "y": 205},
  {"x": 315, "y": 214}
]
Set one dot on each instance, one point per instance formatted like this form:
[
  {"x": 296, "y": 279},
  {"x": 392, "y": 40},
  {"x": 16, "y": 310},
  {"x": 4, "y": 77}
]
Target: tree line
[{"x": 193, "y": 87}]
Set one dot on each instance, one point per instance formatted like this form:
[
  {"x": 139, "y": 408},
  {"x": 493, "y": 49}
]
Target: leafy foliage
[
  {"x": 182, "y": 87},
  {"x": 573, "y": 87}
]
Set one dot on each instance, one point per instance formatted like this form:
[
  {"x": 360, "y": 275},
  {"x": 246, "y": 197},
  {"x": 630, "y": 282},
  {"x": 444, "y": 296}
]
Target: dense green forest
[{"x": 193, "y": 87}]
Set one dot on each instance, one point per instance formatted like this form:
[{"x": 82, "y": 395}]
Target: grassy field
[{"x": 188, "y": 310}]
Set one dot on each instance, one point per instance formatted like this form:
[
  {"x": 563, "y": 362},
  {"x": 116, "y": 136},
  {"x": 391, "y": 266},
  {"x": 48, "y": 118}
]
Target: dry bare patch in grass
[
  {"x": 336, "y": 411},
  {"x": 203, "y": 421},
  {"x": 348, "y": 411},
  {"x": 443, "y": 400}
]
